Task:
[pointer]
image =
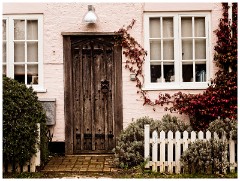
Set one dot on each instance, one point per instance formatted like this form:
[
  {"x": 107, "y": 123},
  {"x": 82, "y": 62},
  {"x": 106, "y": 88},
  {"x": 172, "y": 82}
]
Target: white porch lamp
[{"x": 90, "y": 16}]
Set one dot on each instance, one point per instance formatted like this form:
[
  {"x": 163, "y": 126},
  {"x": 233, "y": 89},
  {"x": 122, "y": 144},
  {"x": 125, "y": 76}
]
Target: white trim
[
  {"x": 10, "y": 47},
  {"x": 178, "y": 84}
]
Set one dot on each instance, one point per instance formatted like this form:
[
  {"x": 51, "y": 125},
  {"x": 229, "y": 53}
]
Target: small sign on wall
[{"x": 49, "y": 105}]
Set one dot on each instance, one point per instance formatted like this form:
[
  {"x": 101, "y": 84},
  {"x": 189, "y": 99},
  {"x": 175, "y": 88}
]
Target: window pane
[
  {"x": 168, "y": 69},
  {"x": 19, "y": 29},
  {"x": 32, "y": 29},
  {"x": 155, "y": 50},
  {"x": 167, "y": 27},
  {"x": 32, "y": 74},
  {"x": 32, "y": 51},
  {"x": 187, "y": 72},
  {"x": 168, "y": 50},
  {"x": 4, "y": 52},
  {"x": 187, "y": 50},
  {"x": 154, "y": 28},
  {"x": 156, "y": 73},
  {"x": 199, "y": 26},
  {"x": 186, "y": 26},
  {"x": 200, "y": 49},
  {"x": 19, "y": 73},
  {"x": 4, "y": 29},
  {"x": 201, "y": 72},
  {"x": 19, "y": 52}
]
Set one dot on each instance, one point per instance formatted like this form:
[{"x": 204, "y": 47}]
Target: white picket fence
[
  {"x": 34, "y": 161},
  {"x": 170, "y": 163}
]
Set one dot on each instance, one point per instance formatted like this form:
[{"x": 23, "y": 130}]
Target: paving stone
[
  {"x": 78, "y": 166},
  {"x": 92, "y": 166},
  {"x": 83, "y": 169},
  {"x": 85, "y": 166},
  {"x": 114, "y": 169},
  {"x": 88, "y": 158},
  {"x": 85, "y": 163},
  {"x": 75, "y": 169},
  {"x": 94, "y": 169},
  {"x": 106, "y": 169},
  {"x": 99, "y": 166},
  {"x": 78, "y": 163}
]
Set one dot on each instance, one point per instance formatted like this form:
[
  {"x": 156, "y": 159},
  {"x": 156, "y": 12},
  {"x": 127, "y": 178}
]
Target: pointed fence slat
[
  {"x": 154, "y": 150},
  {"x": 162, "y": 151},
  {"x": 146, "y": 143},
  {"x": 208, "y": 135},
  {"x": 177, "y": 151},
  {"x": 185, "y": 140},
  {"x": 170, "y": 152},
  {"x": 169, "y": 164}
]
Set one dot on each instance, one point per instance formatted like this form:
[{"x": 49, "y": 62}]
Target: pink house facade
[{"x": 80, "y": 75}]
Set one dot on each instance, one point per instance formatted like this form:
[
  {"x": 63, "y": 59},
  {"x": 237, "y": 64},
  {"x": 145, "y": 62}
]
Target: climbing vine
[
  {"x": 135, "y": 57},
  {"x": 218, "y": 100}
]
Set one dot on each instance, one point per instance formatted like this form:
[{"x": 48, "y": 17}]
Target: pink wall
[{"x": 67, "y": 17}]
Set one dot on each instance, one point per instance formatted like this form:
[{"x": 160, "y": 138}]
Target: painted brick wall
[{"x": 67, "y": 17}]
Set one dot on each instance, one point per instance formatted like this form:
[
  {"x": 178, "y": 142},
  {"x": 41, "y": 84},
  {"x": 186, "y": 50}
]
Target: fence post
[
  {"x": 146, "y": 144},
  {"x": 154, "y": 150}
]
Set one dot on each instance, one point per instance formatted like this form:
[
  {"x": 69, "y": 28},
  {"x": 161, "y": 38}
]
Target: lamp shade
[{"x": 90, "y": 16}]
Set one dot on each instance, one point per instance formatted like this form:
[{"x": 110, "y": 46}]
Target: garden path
[{"x": 81, "y": 163}]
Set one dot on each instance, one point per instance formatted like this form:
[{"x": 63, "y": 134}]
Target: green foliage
[
  {"x": 205, "y": 156},
  {"x": 21, "y": 112},
  {"x": 174, "y": 124},
  {"x": 129, "y": 150},
  {"x": 224, "y": 125}
]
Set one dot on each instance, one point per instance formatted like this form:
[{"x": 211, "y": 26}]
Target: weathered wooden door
[{"x": 96, "y": 94}]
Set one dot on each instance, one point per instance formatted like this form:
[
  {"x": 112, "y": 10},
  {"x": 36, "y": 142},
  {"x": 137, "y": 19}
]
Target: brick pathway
[{"x": 81, "y": 163}]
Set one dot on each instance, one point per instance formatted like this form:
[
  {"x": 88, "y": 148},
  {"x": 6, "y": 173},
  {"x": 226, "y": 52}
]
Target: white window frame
[
  {"x": 10, "y": 47},
  {"x": 178, "y": 84}
]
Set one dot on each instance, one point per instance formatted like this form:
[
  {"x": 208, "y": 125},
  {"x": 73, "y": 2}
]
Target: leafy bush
[
  {"x": 224, "y": 125},
  {"x": 173, "y": 123},
  {"x": 129, "y": 150},
  {"x": 205, "y": 156},
  {"x": 21, "y": 112}
]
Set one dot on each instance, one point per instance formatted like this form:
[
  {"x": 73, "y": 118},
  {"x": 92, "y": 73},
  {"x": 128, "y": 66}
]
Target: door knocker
[{"x": 105, "y": 86}]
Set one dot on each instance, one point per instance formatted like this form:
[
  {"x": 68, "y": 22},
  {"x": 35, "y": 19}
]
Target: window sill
[
  {"x": 38, "y": 89},
  {"x": 176, "y": 86}
]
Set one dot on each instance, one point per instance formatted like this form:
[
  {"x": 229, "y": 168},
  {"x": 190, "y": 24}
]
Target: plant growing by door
[{"x": 135, "y": 57}]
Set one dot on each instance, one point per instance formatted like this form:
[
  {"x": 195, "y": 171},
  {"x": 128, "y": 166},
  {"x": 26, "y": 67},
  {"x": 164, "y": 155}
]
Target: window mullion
[
  {"x": 25, "y": 49},
  {"x": 207, "y": 48},
  {"x": 193, "y": 49},
  {"x": 176, "y": 48},
  {"x": 10, "y": 52},
  {"x": 161, "y": 40}
]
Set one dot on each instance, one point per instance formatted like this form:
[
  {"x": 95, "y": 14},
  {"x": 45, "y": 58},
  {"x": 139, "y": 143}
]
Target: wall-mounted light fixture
[{"x": 90, "y": 16}]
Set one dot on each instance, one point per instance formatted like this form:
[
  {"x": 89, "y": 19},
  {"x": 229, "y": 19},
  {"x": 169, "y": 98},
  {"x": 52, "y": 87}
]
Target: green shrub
[
  {"x": 205, "y": 156},
  {"x": 21, "y": 112},
  {"x": 224, "y": 125},
  {"x": 174, "y": 124},
  {"x": 129, "y": 149}
]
